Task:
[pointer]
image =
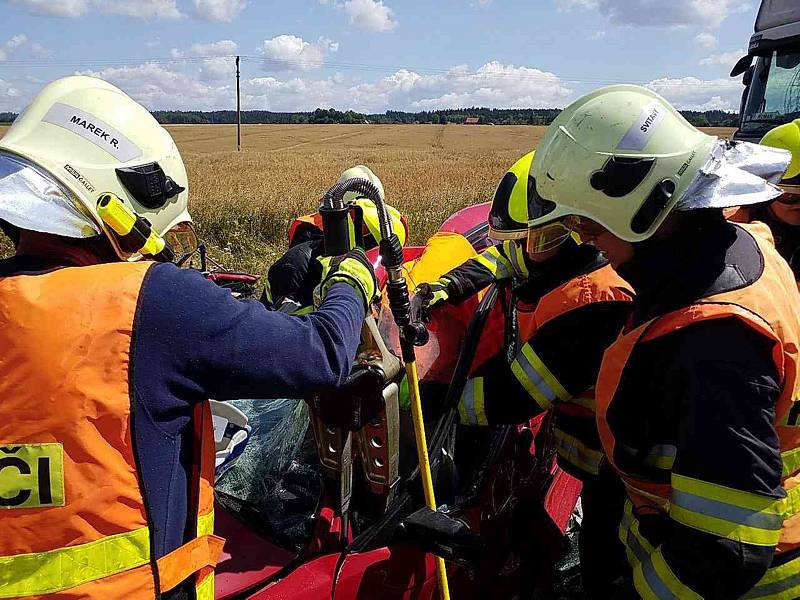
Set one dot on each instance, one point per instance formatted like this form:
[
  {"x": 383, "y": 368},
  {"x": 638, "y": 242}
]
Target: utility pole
[{"x": 238, "y": 111}]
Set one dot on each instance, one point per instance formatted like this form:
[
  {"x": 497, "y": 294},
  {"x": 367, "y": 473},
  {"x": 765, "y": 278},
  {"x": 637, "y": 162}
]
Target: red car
[{"x": 506, "y": 503}]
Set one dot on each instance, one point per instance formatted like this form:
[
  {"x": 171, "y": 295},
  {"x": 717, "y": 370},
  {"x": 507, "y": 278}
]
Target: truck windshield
[{"x": 774, "y": 94}]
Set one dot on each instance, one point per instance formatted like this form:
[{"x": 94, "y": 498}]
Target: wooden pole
[{"x": 238, "y": 111}]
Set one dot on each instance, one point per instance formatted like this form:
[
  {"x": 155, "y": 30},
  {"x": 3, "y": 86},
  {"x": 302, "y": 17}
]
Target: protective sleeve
[
  {"x": 495, "y": 263},
  {"x": 557, "y": 364},
  {"x": 725, "y": 507},
  {"x": 205, "y": 343},
  {"x": 295, "y": 274}
]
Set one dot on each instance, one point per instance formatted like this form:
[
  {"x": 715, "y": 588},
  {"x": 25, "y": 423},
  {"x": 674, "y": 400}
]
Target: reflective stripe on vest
[
  {"x": 471, "y": 407},
  {"x": 600, "y": 285},
  {"x": 577, "y": 453},
  {"x": 493, "y": 261},
  {"x": 73, "y": 519},
  {"x": 735, "y": 514}
]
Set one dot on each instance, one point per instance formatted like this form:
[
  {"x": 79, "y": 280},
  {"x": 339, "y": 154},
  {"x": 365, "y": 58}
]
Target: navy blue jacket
[{"x": 192, "y": 341}]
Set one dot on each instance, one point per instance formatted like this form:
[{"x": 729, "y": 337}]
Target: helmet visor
[{"x": 550, "y": 235}]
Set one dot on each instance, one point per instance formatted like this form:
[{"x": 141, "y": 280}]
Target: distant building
[{"x": 471, "y": 120}]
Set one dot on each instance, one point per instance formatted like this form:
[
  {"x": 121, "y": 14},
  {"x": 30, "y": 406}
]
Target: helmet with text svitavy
[{"x": 621, "y": 156}]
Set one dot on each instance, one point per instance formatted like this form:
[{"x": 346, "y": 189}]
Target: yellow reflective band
[
  {"x": 791, "y": 462},
  {"x": 205, "y": 524},
  {"x": 43, "y": 573},
  {"x": 518, "y": 202},
  {"x": 303, "y": 310},
  {"x": 516, "y": 255},
  {"x": 205, "y": 589},
  {"x": 537, "y": 379},
  {"x": 779, "y": 583},
  {"x": 463, "y": 417},
  {"x": 472, "y": 403},
  {"x": 495, "y": 263},
  {"x": 661, "y": 456},
  {"x": 636, "y": 545},
  {"x": 654, "y": 580},
  {"x": 727, "y": 512},
  {"x": 31, "y": 475},
  {"x": 577, "y": 453}
]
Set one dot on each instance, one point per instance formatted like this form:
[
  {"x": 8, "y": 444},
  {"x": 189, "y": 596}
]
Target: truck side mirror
[
  {"x": 741, "y": 66},
  {"x": 443, "y": 535}
]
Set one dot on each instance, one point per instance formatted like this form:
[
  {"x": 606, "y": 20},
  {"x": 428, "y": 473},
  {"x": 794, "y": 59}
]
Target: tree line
[
  {"x": 484, "y": 116},
  {"x": 329, "y": 116}
]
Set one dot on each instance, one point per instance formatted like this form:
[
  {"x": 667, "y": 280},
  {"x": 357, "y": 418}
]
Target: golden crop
[{"x": 243, "y": 202}]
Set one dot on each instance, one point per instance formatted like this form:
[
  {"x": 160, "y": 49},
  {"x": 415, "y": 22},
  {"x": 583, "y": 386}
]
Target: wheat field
[{"x": 243, "y": 202}]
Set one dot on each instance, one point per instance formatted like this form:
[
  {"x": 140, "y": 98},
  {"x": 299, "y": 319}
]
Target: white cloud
[
  {"x": 691, "y": 93},
  {"x": 160, "y": 86},
  {"x": 492, "y": 85},
  {"x": 19, "y": 44},
  {"x": 723, "y": 59},
  {"x": 369, "y": 15},
  {"x": 56, "y": 8},
  {"x": 657, "y": 13},
  {"x": 289, "y": 52},
  {"x": 219, "y": 62},
  {"x": 219, "y": 10},
  {"x": 140, "y": 9},
  {"x": 220, "y": 48},
  {"x": 10, "y": 96},
  {"x": 210, "y": 86},
  {"x": 706, "y": 40}
]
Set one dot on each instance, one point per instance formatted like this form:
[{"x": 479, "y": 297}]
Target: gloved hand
[
  {"x": 295, "y": 274},
  {"x": 433, "y": 294},
  {"x": 352, "y": 268}
]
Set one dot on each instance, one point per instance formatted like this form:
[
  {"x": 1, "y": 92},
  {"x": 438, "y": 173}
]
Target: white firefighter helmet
[
  {"x": 94, "y": 139},
  {"x": 621, "y": 156},
  {"x": 368, "y": 208},
  {"x": 360, "y": 172}
]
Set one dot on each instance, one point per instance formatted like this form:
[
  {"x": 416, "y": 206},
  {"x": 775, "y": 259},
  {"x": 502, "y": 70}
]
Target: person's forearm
[{"x": 276, "y": 355}]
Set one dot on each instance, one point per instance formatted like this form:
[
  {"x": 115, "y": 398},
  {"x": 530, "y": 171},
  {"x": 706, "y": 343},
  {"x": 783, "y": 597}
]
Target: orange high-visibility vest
[
  {"x": 769, "y": 305},
  {"x": 581, "y": 457},
  {"x": 73, "y": 519}
]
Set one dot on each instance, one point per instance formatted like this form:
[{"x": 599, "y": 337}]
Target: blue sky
[{"x": 374, "y": 55}]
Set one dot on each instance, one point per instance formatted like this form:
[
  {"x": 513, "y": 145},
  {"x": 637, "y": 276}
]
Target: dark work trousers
[{"x": 602, "y": 554}]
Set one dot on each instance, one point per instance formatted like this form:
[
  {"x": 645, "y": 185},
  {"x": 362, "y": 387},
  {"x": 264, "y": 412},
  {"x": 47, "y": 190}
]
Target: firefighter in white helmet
[
  {"x": 109, "y": 357},
  {"x": 696, "y": 400}
]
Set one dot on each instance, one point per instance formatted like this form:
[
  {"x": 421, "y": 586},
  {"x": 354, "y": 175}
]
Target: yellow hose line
[{"x": 425, "y": 463}]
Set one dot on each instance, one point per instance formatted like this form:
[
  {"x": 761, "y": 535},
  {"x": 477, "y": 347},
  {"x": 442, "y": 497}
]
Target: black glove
[{"x": 295, "y": 274}]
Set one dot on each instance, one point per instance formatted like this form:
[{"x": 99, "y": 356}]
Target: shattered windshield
[
  {"x": 774, "y": 95},
  {"x": 278, "y": 474}
]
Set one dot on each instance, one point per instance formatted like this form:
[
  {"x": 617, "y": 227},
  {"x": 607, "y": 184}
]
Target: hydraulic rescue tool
[
  {"x": 337, "y": 228},
  {"x": 371, "y": 394}
]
